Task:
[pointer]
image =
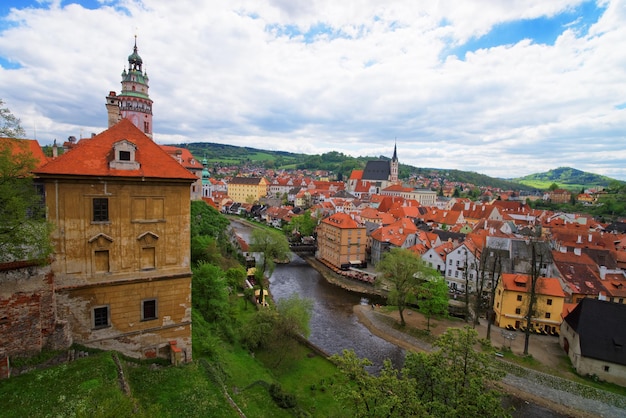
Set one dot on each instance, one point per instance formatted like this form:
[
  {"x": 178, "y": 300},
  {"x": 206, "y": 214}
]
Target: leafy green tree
[
  {"x": 204, "y": 249},
  {"x": 210, "y": 296},
  {"x": 278, "y": 329},
  {"x": 10, "y": 126},
  {"x": 274, "y": 247},
  {"x": 401, "y": 271},
  {"x": 455, "y": 380},
  {"x": 206, "y": 220},
  {"x": 553, "y": 187},
  {"x": 433, "y": 296},
  {"x": 303, "y": 224},
  {"x": 24, "y": 231},
  {"x": 385, "y": 395},
  {"x": 235, "y": 277}
]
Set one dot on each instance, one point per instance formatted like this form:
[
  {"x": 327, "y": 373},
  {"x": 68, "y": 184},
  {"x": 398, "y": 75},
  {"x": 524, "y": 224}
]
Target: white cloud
[{"x": 319, "y": 76}]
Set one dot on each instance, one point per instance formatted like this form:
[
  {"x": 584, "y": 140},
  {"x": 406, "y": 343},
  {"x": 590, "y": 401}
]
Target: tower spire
[{"x": 133, "y": 102}]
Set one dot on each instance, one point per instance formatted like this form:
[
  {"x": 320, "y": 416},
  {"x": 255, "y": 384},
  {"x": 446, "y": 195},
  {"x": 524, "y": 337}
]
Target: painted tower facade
[{"x": 133, "y": 103}]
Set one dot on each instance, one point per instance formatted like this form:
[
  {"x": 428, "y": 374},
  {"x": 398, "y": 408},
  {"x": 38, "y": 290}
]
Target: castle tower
[
  {"x": 133, "y": 102},
  {"x": 393, "y": 175}
]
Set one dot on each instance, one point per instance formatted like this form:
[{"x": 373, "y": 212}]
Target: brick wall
[{"x": 27, "y": 309}]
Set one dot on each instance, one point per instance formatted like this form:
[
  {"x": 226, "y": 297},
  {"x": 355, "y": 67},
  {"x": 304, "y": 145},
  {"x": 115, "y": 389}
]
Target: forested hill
[
  {"x": 342, "y": 165},
  {"x": 568, "y": 178}
]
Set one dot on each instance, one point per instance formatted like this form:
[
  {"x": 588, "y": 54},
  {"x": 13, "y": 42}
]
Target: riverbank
[
  {"x": 566, "y": 404},
  {"x": 345, "y": 283}
]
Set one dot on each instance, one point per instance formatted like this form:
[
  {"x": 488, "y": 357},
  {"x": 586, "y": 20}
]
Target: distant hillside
[
  {"x": 566, "y": 178},
  {"x": 342, "y": 165}
]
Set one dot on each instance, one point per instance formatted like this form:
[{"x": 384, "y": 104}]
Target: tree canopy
[
  {"x": 402, "y": 272},
  {"x": 433, "y": 297},
  {"x": 24, "y": 231},
  {"x": 453, "y": 381},
  {"x": 274, "y": 247},
  {"x": 10, "y": 126}
]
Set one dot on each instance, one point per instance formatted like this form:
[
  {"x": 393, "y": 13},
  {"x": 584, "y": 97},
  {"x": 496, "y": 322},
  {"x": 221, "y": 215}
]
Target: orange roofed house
[
  {"x": 341, "y": 241},
  {"x": 121, "y": 210},
  {"x": 512, "y": 298}
]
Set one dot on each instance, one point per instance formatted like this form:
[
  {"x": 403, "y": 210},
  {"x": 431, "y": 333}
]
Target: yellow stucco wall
[
  {"x": 506, "y": 303},
  {"x": 141, "y": 252},
  {"x": 341, "y": 245}
]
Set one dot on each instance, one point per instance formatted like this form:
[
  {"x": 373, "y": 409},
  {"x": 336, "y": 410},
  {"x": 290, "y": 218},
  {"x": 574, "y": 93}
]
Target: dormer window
[{"x": 124, "y": 153}]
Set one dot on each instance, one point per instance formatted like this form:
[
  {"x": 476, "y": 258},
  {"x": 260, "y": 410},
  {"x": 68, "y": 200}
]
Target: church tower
[
  {"x": 133, "y": 102},
  {"x": 393, "y": 175}
]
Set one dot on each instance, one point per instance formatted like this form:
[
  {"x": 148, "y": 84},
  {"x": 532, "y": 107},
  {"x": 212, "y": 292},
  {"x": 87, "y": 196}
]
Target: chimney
[
  {"x": 577, "y": 251},
  {"x": 590, "y": 237},
  {"x": 602, "y": 272},
  {"x": 579, "y": 240},
  {"x": 113, "y": 109},
  {"x": 55, "y": 149}
]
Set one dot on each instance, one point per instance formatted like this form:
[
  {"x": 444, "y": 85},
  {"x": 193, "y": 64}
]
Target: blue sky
[
  {"x": 540, "y": 30},
  {"x": 501, "y": 87}
]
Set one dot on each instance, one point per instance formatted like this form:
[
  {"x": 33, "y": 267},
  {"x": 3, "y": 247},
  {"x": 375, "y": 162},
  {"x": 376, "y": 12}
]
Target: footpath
[{"x": 559, "y": 395}]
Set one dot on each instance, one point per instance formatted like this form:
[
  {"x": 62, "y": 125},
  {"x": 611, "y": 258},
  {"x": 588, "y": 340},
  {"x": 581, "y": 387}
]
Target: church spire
[{"x": 394, "y": 166}]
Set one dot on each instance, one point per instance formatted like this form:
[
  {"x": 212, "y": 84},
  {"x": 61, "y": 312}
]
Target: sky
[{"x": 504, "y": 88}]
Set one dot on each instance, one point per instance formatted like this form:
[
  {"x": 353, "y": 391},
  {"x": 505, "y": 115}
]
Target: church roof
[{"x": 377, "y": 170}]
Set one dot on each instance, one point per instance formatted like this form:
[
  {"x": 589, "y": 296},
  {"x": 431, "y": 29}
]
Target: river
[{"x": 335, "y": 327}]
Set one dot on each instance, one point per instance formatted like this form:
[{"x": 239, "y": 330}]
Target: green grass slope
[{"x": 566, "y": 178}]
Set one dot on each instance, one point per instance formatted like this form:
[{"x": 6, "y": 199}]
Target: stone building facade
[{"x": 121, "y": 210}]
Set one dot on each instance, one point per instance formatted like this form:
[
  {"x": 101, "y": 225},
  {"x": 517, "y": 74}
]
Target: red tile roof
[
  {"x": 91, "y": 157},
  {"x": 25, "y": 146},
  {"x": 341, "y": 220},
  {"x": 549, "y": 286}
]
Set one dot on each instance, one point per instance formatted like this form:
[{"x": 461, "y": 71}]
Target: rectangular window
[
  {"x": 518, "y": 311},
  {"x": 548, "y": 315},
  {"x": 148, "y": 258},
  {"x": 124, "y": 155},
  {"x": 101, "y": 261},
  {"x": 549, "y": 301},
  {"x": 100, "y": 209},
  {"x": 519, "y": 298},
  {"x": 606, "y": 369},
  {"x": 148, "y": 309},
  {"x": 100, "y": 317}
]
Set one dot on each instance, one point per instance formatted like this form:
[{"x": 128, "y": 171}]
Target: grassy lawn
[{"x": 87, "y": 387}]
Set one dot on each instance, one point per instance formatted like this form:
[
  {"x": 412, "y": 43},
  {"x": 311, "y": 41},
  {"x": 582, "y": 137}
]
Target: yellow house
[
  {"x": 121, "y": 210},
  {"x": 341, "y": 241},
  {"x": 513, "y": 296},
  {"x": 247, "y": 189}
]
